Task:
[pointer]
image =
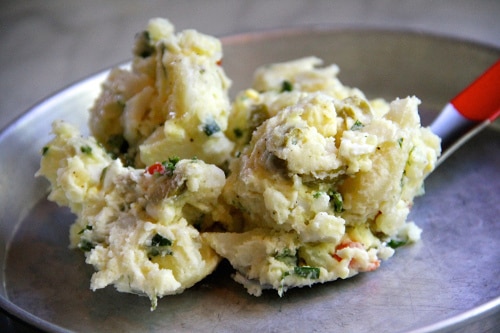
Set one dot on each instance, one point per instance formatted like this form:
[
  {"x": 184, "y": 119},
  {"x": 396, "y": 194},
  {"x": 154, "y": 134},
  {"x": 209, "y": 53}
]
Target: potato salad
[{"x": 299, "y": 180}]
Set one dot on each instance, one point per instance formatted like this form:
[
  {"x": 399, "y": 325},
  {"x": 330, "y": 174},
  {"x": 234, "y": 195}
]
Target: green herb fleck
[
  {"x": 159, "y": 240},
  {"x": 357, "y": 125},
  {"x": 316, "y": 195},
  {"x": 286, "y": 86},
  {"x": 160, "y": 246},
  {"x": 411, "y": 151},
  {"x": 86, "y": 245},
  {"x": 337, "y": 201},
  {"x": 45, "y": 150},
  {"x": 103, "y": 174},
  {"x": 86, "y": 150},
  {"x": 143, "y": 47},
  {"x": 306, "y": 272},
  {"x": 170, "y": 164},
  {"x": 400, "y": 142},
  {"x": 211, "y": 127},
  {"x": 286, "y": 256},
  {"x": 282, "y": 289},
  {"x": 396, "y": 243},
  {"x": 88, "y": 227}
]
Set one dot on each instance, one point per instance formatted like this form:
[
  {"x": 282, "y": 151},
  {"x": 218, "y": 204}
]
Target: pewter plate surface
[{"x": 446, "y": 282}]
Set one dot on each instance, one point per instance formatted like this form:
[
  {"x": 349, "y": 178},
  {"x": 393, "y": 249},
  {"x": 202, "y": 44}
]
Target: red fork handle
[
  {"x": 481, "y": 99},
  {"x": 472, "y": 109}
]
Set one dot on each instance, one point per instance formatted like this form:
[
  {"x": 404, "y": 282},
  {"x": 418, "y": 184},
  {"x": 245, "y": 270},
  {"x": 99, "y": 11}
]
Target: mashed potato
[
  {"x": 324, "y": 183},
  {"x": 318, "y": 180},
  {"x": 172, "y": 102},
  {"x": 140, "y": 229}
]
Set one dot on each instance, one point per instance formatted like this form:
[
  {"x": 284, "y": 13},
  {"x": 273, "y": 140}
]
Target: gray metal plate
[{"x": 447, "y": 282}]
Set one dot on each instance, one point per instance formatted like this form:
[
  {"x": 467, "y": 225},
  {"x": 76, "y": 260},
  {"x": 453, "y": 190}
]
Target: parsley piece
[
  {"x": 357, "y": 125},
  {"x": 400, "y": 142},
  {"x": 143, "y": 47},
  {"x": 337, "y": 201},
  {"x": 211, "y": 127},
  {"x": 88, "y": 227},
  {"x": 86, "y": 150},
  {"x": 103, "y": 174},
  {"x": 282, "y": 287},
  {"x": 307, "y": 272},
  {"x": 86, "y": 245},
  {"x": 316, "y": 195},
  {"x": 170, "y": 164},
  {"x": 160, "y": 246},
  {"x": 45, "y": 150},
  {"x": 286, "y": 86},
  {"x": 159, "y": 240},
  {"x": 286, "y": 256},
  {"x": 396, "y": 243}
]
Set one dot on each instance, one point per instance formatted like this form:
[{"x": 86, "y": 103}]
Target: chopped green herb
[
  {"x": 286, "y": 256},
  {"x": 412, "y": 150},
  {"x": 170, "y": 164},
  {"x": 159, "y": 240},
  {"x": 162, "y": 50},
  {"x": 396, "y": 243},
  {"x": 357, "y": 125},
  {"x": 160, "y": 246},
  {"x": 103, "y": 174},
  {"x": 400, "y": 142},
  {"x": 143, "y": 47},
  {"x": 86, "y": 150},
  {"x": 337, "y": 201},
  {"x": 286, "y": 86},
  {"x": 282, "y": 288},
  {"x": 45, "y": 150},
  {"x": 408, "y": 161},
  {"x": 211, "y": 127},
  {"x": 88, "y": 227},
  {"x": 316, "y": 195},
  {"x": 86, "y": 245},
  {"x": 306, "y": 272}
]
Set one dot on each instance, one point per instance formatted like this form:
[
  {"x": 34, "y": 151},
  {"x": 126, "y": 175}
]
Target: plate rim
[{"x": 456, "y": 321}]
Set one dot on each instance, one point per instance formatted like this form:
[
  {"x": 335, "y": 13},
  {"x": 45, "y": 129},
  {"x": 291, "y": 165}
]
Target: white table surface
[{"x": 46, "y": 45}]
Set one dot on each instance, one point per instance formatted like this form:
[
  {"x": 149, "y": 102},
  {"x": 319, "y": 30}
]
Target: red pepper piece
[{"x": 155, "y": 168}]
